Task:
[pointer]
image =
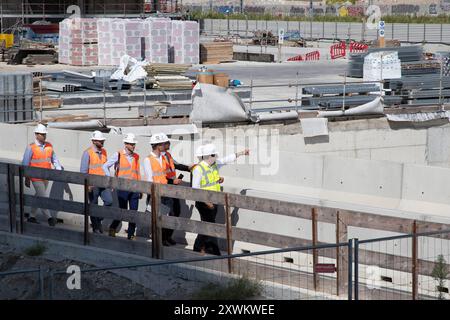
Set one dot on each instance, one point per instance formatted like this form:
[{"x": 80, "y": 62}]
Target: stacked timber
[
  {"x": 168, "y": 76},
  {"x": 172, "y": 69},
  {"x": 216, "y": 52}
]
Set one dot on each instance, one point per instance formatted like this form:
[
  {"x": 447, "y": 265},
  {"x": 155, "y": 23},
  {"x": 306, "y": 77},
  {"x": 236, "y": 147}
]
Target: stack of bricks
[
  {"x": 185, "y": 39},
  {"x": 157, "y": 37},
  {"x": 111, "y": 41},
  {"x": 78, "y": 42}
]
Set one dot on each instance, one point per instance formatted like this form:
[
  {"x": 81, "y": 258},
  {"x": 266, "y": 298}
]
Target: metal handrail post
[
  {"x": 356, "y": 276},
  {"x": 350, "y": 267}
]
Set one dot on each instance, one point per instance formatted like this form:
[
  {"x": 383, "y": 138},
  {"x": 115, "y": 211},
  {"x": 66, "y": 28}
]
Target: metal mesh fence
[
  {"x": 22, "y": 284},
  {"x": 302, "y": 274}
]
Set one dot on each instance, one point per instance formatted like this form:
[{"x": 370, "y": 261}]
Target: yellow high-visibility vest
[{"x": 210, "y": 177}]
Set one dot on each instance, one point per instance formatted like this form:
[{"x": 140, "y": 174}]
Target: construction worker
[
  {"x": 92, "y": 162},
  {"x": 206, "y": 176},
  {"x": 171, "y": 174},
  {"x": 40, "y": 154},
  {"x": 156, "y": 168},
  {"x": 126, "y": 165}
]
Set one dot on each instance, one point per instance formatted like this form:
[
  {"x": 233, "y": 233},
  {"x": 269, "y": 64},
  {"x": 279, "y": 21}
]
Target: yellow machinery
[{"x": 8, "y": 39}]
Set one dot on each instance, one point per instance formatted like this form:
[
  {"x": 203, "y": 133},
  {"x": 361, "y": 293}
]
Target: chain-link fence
[{"x": 413, "y": 266}]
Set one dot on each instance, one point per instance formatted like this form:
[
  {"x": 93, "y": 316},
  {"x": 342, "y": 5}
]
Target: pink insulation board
[
  {"x": 111, "y": 41},
  {"x": 157, "y": 35},
  {"x": 78, "y": 42},
  {"x": 185, "y": 39}
]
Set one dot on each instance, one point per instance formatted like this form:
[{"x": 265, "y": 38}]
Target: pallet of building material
[
  {"x": 173, "y": 82},
  {"x": 155, "y": 69},
  {"x": 33, "y": 59},
  {"x": 216, "y": 52},
  {"x": 47, "y": 103}
]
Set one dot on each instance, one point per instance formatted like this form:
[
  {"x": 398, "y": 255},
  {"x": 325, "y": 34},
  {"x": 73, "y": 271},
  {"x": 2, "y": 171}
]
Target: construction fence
[
  {"x": 410, "y": 264},
  {"x": 321, "y": 30}
]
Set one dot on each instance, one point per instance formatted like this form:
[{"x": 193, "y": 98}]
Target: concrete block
[
  {"x": 406, "y": 154},
  {"x": 375, "y": 178},
  {"x": 438, "y": 145},
  {"x": 392, "y": 138},
  {"x": 426, "y": 184},
  {"x": 336, "y": 141}
]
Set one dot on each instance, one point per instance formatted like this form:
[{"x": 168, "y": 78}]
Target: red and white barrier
[
  {"x": 296, "y": 58},
  {"x": 315, "y": 55},
  {"x": 356, "y": 47},
  {"x": 338, "y": 50},
  {"x": 310, "y": 56}
]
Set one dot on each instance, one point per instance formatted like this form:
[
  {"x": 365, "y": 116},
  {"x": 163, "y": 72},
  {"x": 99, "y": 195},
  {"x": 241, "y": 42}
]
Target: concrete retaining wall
[{"x": 302, "y": 172}]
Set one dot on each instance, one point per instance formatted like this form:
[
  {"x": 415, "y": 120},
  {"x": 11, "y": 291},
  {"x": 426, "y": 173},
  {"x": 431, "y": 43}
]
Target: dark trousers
[
  {"x": 207, "y": 243},
  {"x": 106, "y": 196},
  {"x": 130, "y": 201}
]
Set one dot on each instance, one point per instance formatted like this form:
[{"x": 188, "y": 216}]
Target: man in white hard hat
[
  {"x": 40, "y": 154},
  {"x": 92, "y": 162},
  {"x": 206, "y": 176},
  {"x": 155, "y": 168},
  {"x": 171, "y": 174},
  {"x": 126, "y": 165}
]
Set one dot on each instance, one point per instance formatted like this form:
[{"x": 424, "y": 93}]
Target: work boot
[
  {"x": 51, "y": 222},
  {"x": 100, "y": 228},
  {"x": 131, "y": 237},
  {"x": 112, "y": 232},
  {"x": 32, "y": 220},
  {"x": 171, "y": 241},
  {"x": 165, "y": 243}
]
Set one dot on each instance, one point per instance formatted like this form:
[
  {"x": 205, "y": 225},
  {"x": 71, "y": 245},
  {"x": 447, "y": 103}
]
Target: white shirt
[
  {"x": 197, "y": 173},
  {"x": 148, "y": 166}
]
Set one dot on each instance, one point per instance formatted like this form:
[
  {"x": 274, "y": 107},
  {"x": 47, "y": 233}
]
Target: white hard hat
[
  {"x": 130, "y": 138},
  {"x": 158, "y": 138},
  {"x": 206, "y": 150},
  {"x": 98, "y": 135},
  {"x": 40, "y": 128}
]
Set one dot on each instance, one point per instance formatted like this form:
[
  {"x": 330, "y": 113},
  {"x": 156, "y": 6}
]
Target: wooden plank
[
  {"x": 12, "y": 199},
  {"x": 314, "y": 243},
  {"x": 268, "y": 239},
  {"x": 291, "y": 209},
  {"x": 54, "y": 175},
  {"x": 415, "y": 263},
  {"x": 54, "y": 204},
  {"x": 21, "y": 200},
  {"x": 180, "y": 192},
  {"x": 3, "y": 168},
  {"x": 115, "y": 213},
  {"x": 86, "y": 213},
  {"x": 120, "y": 184},
  {"x": 229, "y": 233},
  {"x": 156, "y": 223},
  {"x": 342, "y": 258},
  {"x": 199, "y": 227}
]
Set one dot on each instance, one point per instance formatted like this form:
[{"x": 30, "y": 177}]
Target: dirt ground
[{"x": 99, "y": 285}]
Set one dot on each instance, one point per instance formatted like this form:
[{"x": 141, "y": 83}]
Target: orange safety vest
[
  {"x": 171, "y": 173},
  {"x": 41, "y": 158},
  {"x": 159, "y": 171},
  {"x": 127, "y": 171},
  {"x": 95, "y": 162}
]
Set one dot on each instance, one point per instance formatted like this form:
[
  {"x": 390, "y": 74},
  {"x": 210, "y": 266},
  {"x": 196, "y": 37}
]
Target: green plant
[
  {"x": 237, "y": 289},
  {"x": 35, "y": 250},
  {"x": 440, "y": 273}
]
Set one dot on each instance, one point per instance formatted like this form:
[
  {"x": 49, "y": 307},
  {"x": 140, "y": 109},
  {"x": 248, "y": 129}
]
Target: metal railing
[{"x": 10, "y": 275}]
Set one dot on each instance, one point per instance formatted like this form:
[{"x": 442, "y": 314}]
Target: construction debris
[{"x": 216, "y": 52}]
